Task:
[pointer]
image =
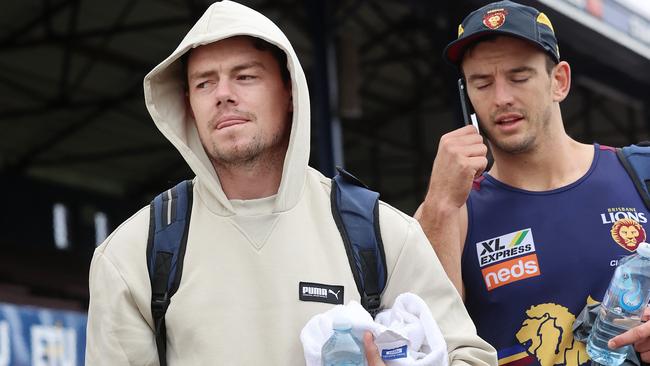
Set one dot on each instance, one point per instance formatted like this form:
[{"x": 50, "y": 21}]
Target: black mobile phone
[{"x": 469, "y": 116}]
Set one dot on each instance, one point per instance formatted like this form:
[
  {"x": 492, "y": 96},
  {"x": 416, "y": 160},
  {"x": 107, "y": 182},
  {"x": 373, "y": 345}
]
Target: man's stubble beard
[
  {"x": 254, "y": 153},
  {"x": 529, "y": 141}
]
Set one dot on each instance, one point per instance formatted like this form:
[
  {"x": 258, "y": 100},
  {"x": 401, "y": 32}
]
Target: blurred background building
[{"x": 79, "y": 152}]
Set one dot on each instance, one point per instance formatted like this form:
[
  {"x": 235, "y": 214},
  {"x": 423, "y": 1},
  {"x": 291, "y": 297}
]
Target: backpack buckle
[
  {"x": 159, "y": 306},
  {"x": 372, "y": 303}
]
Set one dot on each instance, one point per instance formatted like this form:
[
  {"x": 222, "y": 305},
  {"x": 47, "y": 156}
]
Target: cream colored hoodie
[{"x": 238, "y": 303}]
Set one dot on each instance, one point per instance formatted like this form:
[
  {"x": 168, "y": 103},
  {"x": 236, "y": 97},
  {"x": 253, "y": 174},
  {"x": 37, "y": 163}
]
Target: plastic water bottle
[
  {"x": 343, "y": 348},
  {"x": 623, "y": 306}
]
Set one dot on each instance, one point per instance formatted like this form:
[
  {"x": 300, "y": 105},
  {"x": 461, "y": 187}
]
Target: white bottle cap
[{"x": 643, "y": 249}]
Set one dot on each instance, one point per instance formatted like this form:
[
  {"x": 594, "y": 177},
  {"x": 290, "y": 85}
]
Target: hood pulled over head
[{"x": 164, "y": 90}]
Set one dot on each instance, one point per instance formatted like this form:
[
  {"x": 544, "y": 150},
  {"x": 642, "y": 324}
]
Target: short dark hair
[
  {"x": 279, "y": 55},
  {"x": 261, "y": 45},
  {"x": 550, "y": 62}
]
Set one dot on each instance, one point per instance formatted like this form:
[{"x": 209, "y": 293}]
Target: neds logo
[{"x": 510, "y": 271}]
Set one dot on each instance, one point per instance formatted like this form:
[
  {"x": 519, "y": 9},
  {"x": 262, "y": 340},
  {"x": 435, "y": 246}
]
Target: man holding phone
[{"x": 530, "y": 242}]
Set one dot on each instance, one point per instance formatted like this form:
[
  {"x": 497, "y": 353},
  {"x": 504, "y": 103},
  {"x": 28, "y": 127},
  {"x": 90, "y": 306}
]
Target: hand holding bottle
[
  {"x": 619, "y": 321},
  {"x": 372, "y": 352},
  {"x": 639, "y": 336},
  {"x": 344, "y": 349}
]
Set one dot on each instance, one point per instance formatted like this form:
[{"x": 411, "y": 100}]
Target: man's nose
[
  {"x": 503, "y": 94},
  {"x": 225, "y": 94}
]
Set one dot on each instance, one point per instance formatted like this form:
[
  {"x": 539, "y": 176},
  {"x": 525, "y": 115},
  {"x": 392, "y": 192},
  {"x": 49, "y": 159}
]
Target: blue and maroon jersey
[{"x": 532, "y": 260}]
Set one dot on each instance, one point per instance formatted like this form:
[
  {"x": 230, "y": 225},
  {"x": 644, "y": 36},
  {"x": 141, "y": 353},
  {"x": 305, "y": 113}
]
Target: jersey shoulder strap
[
  {"x": 636, "y": 161},
  {"x": 168, "y": 227},
  {"x": 356, "y": 212}
]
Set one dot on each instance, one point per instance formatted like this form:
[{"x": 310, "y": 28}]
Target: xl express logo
[
  {"x": 504, "y": 247},
  {"x": 507, "y": 258}
]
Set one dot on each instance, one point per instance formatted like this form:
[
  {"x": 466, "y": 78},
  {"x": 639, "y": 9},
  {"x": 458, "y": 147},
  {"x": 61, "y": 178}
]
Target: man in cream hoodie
[{"x": 261, "y": 220}]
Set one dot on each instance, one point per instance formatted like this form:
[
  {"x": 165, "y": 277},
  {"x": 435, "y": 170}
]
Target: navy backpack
[
  {"x": 355, "y": 211},
  {"x": 636, "y": 160}
]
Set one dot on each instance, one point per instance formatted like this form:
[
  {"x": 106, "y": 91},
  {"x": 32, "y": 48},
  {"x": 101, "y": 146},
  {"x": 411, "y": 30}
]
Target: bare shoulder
[{"x": 586, "y": 151}]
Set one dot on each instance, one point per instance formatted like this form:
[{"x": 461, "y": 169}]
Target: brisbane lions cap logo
[
  {"x": 628, "y": 233},
  {"x": 493, "y": 19}
]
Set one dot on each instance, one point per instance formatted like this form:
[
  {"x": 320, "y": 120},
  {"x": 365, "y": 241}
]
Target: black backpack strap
[
  {"x": 168, "y": 227},
  {"x": 355, "y": 209},
  {"x": 636, "y": 160}
]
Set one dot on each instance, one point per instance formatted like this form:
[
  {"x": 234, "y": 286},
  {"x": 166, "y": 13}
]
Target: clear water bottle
[
  {"x": 623, "y": 306},
  {"x": 343, "y": 348}
]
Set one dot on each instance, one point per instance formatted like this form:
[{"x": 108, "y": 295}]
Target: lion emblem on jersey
[
  {"x": 628, "y": 233},
  {"x": 547, "y": 334}
]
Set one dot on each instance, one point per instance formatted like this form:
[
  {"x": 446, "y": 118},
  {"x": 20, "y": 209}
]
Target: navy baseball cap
[{"x": 504, "y": 18}]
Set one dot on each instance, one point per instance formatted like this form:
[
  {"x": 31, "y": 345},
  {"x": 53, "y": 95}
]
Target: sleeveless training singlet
[{"x": 532, "y": 260}]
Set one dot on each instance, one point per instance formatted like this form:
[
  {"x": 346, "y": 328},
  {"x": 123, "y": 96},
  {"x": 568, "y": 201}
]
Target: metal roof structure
[
  {"x": 72, "y": 109},
  {"x": 71, "y": 78},
  {"x": 71, "y": 72}
]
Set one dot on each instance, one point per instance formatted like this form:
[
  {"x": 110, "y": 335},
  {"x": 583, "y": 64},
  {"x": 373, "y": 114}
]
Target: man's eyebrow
[
  {"x": 247, "y": 65},
  {"x": 201, "y": 74},
  {"x": 515, "y": 70},
  {"x": 475, "y": 77},
  {"x": 520, "y": 69},
  {"x": 237, "y": 68}
]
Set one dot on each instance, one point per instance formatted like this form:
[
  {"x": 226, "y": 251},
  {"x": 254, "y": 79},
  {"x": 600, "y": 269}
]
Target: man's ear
[{"x": 561, "y": 81}]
